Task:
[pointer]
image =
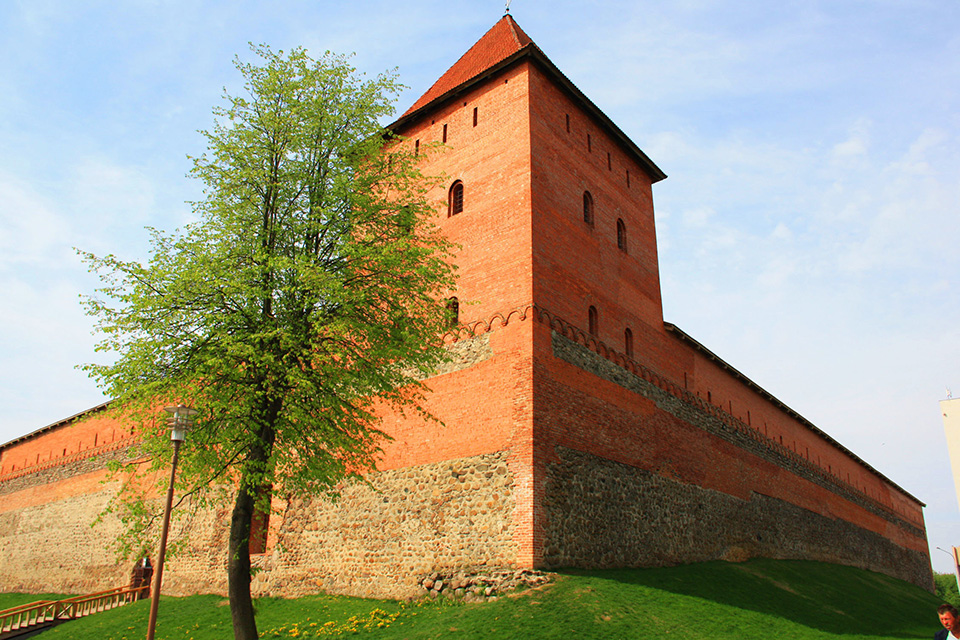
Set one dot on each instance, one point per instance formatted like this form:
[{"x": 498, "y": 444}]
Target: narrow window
[
  {"x": 455, "y": 204},
  {"x": 592, "y": 320},
  {"x": 588, "y": 208},
  {"x": 453, "y": 311},
  {"x": 609, "y": 165},
  {"x": 628, "y": 342},
  {"x": 475, "y": 116},
  {"x": 444, "y": 133},
  {"x": 416, "y": 148},
  {"x": 621, "y": 235},
  {"x": 628, "y": 178},
  {"x": 568, "y": 123},
  {"x": 589, "y": 143}
]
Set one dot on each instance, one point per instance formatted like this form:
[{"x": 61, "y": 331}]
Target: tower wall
[{"x": 577, "y": 263}]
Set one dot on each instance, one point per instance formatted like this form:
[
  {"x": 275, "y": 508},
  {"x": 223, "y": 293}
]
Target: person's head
[{"x": 949, "y": 617}]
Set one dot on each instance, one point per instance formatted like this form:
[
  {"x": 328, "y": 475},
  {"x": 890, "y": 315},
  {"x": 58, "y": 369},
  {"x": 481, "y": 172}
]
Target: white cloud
[{"x": 855, "y": 145}]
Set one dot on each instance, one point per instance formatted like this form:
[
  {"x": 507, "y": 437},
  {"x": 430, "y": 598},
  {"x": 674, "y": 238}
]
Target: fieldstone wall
[
  {"x": 382, "y": 535},
  {"x": 606, "y": 514},
  {"x": 53, "y": 547},
  {"x": 377, "y": 540},
  {"x": 465, "y": 353}
]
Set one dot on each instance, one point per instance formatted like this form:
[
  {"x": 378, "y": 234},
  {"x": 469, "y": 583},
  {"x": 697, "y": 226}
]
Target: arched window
[
  {"x": 588, "y": 208},
  {"x": 455, "y": 204},
  {"x": 621, "y": 235},
  {"x": 628, "y": 342},
  {"x": 453, "y": 311},
  {"x": 592, "y": 320}
]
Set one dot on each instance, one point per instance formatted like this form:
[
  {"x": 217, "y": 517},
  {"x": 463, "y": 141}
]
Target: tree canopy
[{"x": 308, "y": 292}]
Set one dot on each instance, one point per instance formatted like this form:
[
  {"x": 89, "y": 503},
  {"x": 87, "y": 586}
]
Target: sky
[{"x": 808, "y": 230}]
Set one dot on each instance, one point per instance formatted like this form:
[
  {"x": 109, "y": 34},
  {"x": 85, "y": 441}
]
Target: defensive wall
[{"x": 629, "y": 469}]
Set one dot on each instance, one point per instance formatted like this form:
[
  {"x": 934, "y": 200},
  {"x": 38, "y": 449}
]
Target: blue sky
[{"x": 808, "y": 231}]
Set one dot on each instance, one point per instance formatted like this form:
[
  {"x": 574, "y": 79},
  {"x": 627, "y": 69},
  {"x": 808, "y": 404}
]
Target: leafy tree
[
  {"x": 306, "y": 295},
  {"x": 946, "y": 588}
]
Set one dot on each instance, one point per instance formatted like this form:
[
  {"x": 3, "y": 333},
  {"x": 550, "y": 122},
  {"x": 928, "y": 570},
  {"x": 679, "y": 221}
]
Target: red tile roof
[
  {"x": 503, "y": 40},
  {"x": 504, "y": 43}
]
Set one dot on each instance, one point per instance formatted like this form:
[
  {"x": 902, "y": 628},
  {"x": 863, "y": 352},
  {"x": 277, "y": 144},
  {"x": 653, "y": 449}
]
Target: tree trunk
[
  {"x": 238, "y": 568},
  {"x": 238, "y": 564}
]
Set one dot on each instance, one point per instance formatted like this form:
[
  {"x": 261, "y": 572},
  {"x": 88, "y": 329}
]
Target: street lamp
[
  {"x": 180, "y": 420},
  {"x": 955, "y": 556}
]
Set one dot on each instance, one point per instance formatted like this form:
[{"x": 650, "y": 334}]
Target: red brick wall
[
  {"x": 576, "y": 264},
  {"x": 493, "y": 161},
  {"x": 577, "y": 410},
  {"x": 86, "y": 436}
]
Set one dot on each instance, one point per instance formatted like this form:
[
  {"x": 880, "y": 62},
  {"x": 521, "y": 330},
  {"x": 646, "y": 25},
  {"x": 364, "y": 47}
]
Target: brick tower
[
  {"x": 629, "y": 442},
  {"x": 578, "y": 428}
]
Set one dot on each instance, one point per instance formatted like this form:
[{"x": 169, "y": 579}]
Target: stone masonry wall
[
  {"x": 380, "y": 537},
  {"x": 606, "y": 514},
  {"x": 374, "y": 541},
  {"x": 51, "y": 546}
]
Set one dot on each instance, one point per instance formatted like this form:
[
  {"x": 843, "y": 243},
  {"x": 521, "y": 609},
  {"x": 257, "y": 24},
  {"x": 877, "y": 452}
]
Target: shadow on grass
[{"x": 830, "y": 598}]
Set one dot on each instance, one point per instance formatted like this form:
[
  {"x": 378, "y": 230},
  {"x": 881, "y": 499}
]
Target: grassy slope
[{"x": 757, "y": 599}]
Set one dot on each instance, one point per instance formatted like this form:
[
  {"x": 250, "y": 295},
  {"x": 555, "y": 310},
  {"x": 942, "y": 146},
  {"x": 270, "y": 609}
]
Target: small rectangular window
[
  {"x": 589, "y": 143},
  {"x": 628, "y": 178},
  {"x": 444, "y": 133},
  {"x": 416, "y": 148},
  {"x": 568, "y": 123},
  {"x": 475, "y": 116}
]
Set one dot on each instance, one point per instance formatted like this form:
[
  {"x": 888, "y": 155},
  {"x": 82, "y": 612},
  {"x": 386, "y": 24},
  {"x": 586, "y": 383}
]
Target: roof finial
[{"x": 506, "y": 9}]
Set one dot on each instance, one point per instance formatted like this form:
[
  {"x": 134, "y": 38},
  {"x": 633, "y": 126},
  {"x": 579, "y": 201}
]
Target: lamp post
[
  {"x": 954, "y": 554},
  {"x": 180, "y": 420}
]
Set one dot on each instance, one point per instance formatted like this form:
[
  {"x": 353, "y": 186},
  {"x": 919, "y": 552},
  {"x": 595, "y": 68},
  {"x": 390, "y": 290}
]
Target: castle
[{"x": 579, "y": 428}]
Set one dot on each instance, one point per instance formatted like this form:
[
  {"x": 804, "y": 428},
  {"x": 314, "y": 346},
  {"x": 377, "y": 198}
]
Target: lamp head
[{"x": 179, "y": 421}]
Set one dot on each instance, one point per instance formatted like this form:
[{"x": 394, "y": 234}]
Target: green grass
[
  {"x": 715, "y": 601},
  {"x": 11, "y": 600}
]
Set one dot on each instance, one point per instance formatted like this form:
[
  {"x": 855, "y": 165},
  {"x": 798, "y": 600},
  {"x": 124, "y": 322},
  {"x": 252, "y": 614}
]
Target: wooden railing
[{"x": 28, "y": 617}]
